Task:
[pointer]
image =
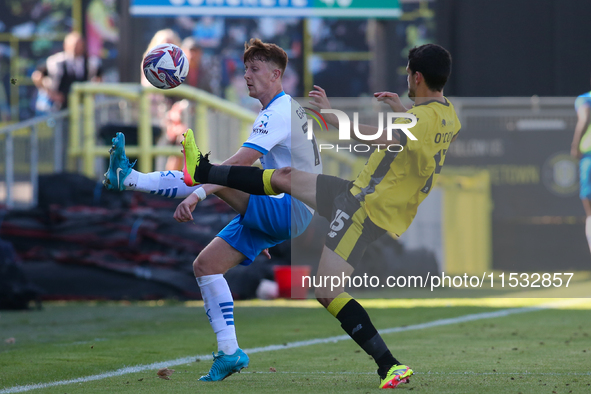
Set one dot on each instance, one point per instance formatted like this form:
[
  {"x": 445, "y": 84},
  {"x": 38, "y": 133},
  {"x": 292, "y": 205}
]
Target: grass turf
[{"x": 533, "y": 352}]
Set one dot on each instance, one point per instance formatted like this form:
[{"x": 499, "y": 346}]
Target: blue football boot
[
  {"x": 225, "y": 365},
  {"x": 119, "y": 165}
]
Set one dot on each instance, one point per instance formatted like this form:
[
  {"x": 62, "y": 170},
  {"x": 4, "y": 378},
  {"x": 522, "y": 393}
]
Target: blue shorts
[
  {"x": 268, "y": 221},
  {"x": 585, "y": 177}
]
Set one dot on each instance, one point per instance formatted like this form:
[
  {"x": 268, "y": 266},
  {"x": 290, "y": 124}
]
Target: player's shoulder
[
  {"x": 280, "y": 110},
  {"x": 433, "y": 106},
  {"x": 425, "y": 112},
  {"x": 434, "y": 109},
  {"x": 273, "y": 115},
  {"x": 282, "y": 105},
  {"x": 432, "y": 114}
]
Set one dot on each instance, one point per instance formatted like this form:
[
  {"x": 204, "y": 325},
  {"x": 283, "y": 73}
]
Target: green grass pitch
[{"x": 543, "y": 351}]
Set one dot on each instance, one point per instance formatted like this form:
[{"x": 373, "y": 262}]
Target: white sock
[
  {"x": 219, "y": 307},
  {"x": 588, "y": 230},
  {"x": 166, "y": 183}
]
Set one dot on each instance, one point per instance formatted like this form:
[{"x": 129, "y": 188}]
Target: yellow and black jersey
[{"x": 393, "y": 184}]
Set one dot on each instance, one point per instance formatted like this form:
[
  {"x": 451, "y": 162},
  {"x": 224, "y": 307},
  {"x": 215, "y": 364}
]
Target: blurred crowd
[
  {"x": 214, "y": 48},
  {"x": 39, "y": 26},
  {"x": 55, "y": 78}
]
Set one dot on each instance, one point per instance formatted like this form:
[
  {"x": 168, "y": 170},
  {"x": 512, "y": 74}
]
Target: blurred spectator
[
  {"x": 44, "y": 103},
  {"x": 174, "y": 130},
  {"x": 71, "y": 65},
  {"x": 208, "y": 31},
  {"x": 101, "y": 26},
  {"x": 291, "y": 81},
  {"x": 199, "y": 76},
  {"x": 237, "y": 93},
  {"x": 160, "y": 105}
]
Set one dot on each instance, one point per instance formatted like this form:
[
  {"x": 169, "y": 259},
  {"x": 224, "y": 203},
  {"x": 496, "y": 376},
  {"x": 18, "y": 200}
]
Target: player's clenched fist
[{"x": 183, "y": 212}]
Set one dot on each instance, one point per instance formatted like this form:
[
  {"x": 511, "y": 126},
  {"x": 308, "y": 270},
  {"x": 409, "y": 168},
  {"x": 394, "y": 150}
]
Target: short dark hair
[
  {"x": 434, "y": 62},
  {"x": 255, "y": 49}
]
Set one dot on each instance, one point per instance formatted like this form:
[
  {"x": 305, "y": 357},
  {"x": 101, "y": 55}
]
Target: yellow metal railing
[
  {"x": 83, "y": 140},
  {"x": 17, "y": 66}
]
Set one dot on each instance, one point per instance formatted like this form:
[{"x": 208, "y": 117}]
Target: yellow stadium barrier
[
  {"x": 83, "y": 140},
  {"x": 83, "y": 143},
  {"x": 467, "y": 221}
]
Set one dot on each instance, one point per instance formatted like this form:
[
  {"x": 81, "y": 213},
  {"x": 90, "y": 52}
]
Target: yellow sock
[
  {"x": 338, "y": 303},
  {"x": 267, "y": 174}
]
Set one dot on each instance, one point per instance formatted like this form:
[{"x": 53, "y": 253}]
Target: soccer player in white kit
[{"x": 278, "y": 139}]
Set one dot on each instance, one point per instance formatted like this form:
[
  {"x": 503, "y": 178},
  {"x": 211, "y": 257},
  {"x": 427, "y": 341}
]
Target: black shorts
[{"x": 351, "y": 229}]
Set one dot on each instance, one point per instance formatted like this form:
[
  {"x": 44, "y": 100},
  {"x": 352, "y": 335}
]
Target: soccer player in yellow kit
[{"x": 384, "y": 197}]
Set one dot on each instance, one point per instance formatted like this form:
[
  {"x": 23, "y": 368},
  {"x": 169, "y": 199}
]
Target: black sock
[
  {"x": 203, "y": 168},
  {"x": 356, "y": 322},
  {"x": 247, "y": 179}
]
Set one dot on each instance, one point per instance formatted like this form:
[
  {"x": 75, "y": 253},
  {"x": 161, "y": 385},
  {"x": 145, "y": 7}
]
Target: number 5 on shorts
[{"x": 337, "y": 224}]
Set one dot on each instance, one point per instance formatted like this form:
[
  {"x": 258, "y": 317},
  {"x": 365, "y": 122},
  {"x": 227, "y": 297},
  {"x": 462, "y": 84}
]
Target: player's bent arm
[
  {"x": 183, "y": 211},
  {"x": 392, "y": 99},
  {"x": 320, "y": 100},
  {"x": 243, "y": 157},
  {"x": 583, "y": 115}
]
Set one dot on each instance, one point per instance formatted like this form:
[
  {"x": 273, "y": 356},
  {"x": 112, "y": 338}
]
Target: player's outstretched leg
[
  {"x": 121, "y": 176},
  {"x": 119, "y": 165},
  {"x": 197, "y": 169}
]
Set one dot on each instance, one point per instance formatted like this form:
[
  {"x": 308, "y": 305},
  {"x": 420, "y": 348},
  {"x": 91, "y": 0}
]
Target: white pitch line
[
  {"x": 290, "y": 345},
  {"x": 424, "y": 373}
]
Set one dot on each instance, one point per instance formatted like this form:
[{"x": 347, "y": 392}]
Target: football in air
[{"x": 165, "y": 66}]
